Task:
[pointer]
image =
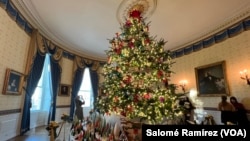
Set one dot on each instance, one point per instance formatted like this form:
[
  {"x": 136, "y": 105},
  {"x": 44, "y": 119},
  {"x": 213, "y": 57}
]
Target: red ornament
[
  {"x": 131, "y": 44},
  {"x": 147, "y": 41},
  {"x": 159, "y": 73},
  {"x": 129, "y": 108},
  {"x": 161, "y": 99},
  {"x": 136, "y": 98},
  {"x": 128, "y": 23},
  {"x": 118, "y": 50},
  {"x": 120, "y": 45},
  {"x": 127, "y": 79},
  {"x": 147, "y": 96},
  {"x": 123, "y": 113}
]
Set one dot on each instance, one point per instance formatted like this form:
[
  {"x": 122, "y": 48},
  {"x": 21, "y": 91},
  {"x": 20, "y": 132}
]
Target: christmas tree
[{"x": 136, "y": 75}]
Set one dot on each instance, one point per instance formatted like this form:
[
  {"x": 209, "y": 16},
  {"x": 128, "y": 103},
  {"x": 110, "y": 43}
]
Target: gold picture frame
[
  {"x": 211, "y": 79},
  {"x": 64, "y": 90},
  {"x": 13, "y": 82}
]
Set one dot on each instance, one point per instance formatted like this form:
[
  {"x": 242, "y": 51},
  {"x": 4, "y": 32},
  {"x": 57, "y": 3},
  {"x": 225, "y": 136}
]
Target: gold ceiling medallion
[
  {"x": 137, "y": 7},
  {"x": 146, "y": 7}
]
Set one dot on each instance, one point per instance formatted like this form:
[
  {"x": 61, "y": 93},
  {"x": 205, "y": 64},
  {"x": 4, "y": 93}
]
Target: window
[
  {"x": 37, "y": 97},
  {"x": 41, "y": 98},
  {"x": 86, "y": 89}
]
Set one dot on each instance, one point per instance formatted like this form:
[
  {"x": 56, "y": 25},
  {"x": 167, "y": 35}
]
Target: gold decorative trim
[
  {"x": 95, "y": 66},
  {"x": 58, "y": 55},
  {"x": 79, "y": 62},
  {"x": 40, "y": 43}
]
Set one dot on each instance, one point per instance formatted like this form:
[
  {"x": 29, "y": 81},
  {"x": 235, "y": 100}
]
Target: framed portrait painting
[
  {"x": 211, "y": 79},
  {"x": 13, "y": 82},
  {"x": 64, "y": 90}
]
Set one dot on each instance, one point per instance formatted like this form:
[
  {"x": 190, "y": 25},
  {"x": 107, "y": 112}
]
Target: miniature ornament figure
[{"x": 137, "y": 86}]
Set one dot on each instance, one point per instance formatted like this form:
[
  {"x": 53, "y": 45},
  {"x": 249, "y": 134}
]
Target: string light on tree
[{"x": 136, "y": 76}]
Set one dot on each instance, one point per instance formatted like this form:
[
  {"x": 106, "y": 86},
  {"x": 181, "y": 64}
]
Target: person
[
  {"x": 208, "y": 84},
  {"x": 227, "y": 110},
  {"x": 64, "y": 90},
  {"x": 79, "y": 102},
  {"x": 240, "y": 112},
  {"x": 12, "y": 86},
  {"x": 220, "y": 83},
  {"x": 188, "y": 108}
]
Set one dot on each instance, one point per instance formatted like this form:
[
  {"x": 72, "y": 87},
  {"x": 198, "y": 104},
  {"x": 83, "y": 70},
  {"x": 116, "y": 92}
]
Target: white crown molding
[{"x": 31, "y": 15}]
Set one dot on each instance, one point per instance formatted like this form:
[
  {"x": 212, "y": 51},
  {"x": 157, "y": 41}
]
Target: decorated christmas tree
[{"x": 137, "y": 75}]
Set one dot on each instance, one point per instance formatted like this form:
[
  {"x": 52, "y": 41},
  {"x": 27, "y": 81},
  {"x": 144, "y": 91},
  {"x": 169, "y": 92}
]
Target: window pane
[
  {"x": 41, "y": 98},
  {"x": 36, "y": 99},
  {"x": 86, "y": 82},
  {"x": 86, "y": 88}
]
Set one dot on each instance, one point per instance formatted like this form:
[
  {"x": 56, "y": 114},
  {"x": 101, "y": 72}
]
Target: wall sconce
[
  {"x": 244, "y": 76},
  {"x": 183, "y": 84}
]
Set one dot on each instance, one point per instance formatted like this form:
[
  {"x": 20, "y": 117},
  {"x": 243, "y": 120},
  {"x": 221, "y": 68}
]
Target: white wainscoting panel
[{"x": 9, "y": 126}]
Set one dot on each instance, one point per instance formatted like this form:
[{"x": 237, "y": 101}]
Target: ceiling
[{"x": 83, "y": 27}]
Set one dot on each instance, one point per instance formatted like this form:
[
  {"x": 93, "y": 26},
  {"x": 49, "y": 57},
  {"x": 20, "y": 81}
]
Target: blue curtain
[
  {"x": 75, "y": 88},
  {"x": 95, "y": 81},
  {"x": 55, "y": 78},
  {"x": 32, "y": 81}
]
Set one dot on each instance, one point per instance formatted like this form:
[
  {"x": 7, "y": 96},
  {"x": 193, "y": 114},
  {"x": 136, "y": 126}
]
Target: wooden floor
[{"x": 41, "y": 134}]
